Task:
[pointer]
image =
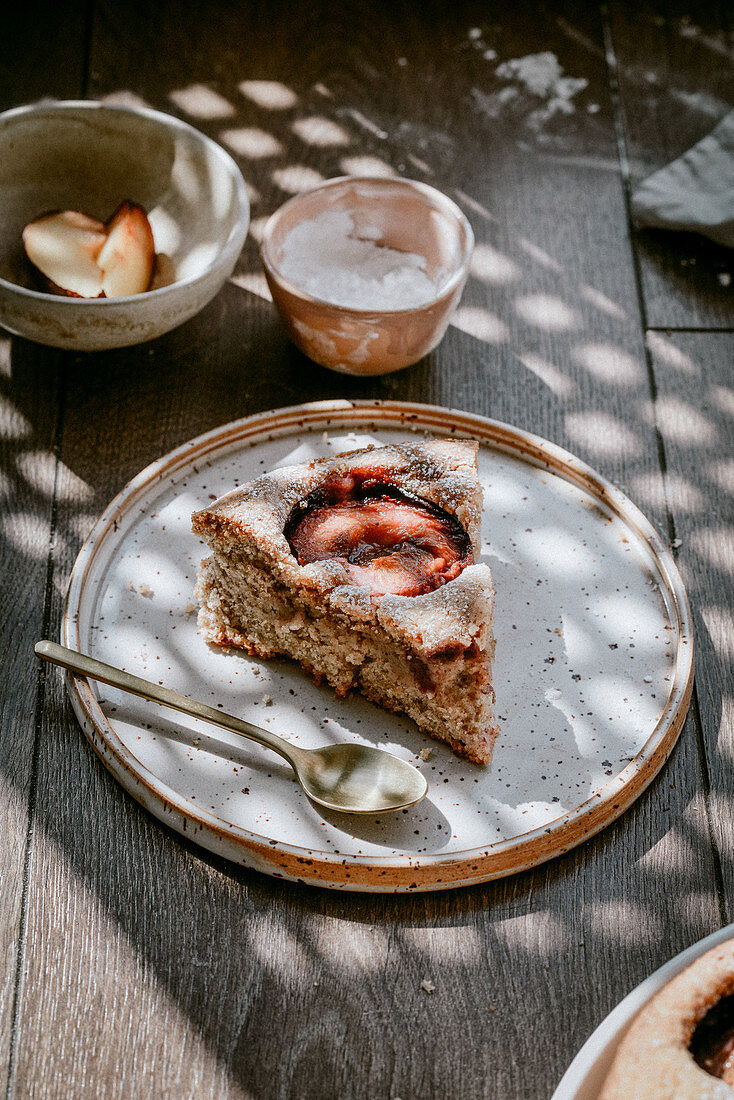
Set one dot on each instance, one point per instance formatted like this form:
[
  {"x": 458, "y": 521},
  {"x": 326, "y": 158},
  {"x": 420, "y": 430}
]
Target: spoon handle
[{"x": 125, "y": 681}]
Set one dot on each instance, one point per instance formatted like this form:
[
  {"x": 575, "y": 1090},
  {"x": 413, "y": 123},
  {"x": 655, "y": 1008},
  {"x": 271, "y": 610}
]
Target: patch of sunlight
[
  {"x": 320, "y": 132},
  {"x": 716, "y": 545},
  {"x": 251, "y": 142},
  {"x": 482, "y": 325},
  {"x": 536, "y": 932},
  {"x": 720, "y": 625},
  {"x": 562, "y": 553},
  {"x": 187, "y": 181},
  {"x": 269, "y": 94},
  {"x": 678, "y": 420},
  {"x": 723, "y": 398},
  {"x": 421, "y": 165},
  {"x": 608, "y": 363},
  {"x": 257, "y": 227},
  {"x": 297, "y": 177},
  {"x": 602, "y": 435},
  {"x": 553, "y": 378},
  {"x": 27, "y": 533},
  {"x": 473, "y": 205},
  {"x": 547, "y": 312},
  {"x": 166, "y": 231},
  {"x": 321, "y": 89},
  {"x": 722, "y": 473},
  {"x": 491, "y": 266},
  {"x": 124, "y": 98},
  {"x": 367, "y": 166},
  {"x": 276, "y": 947},
  {"x": 255, "y": 283},
  {"x": 665, "y": 350},
  {"x": 38, "y": 468},
  {"x": 13, "y": 425},
  {"x": 5, "y": 366},
  {"x": 673, "y": 851},
  {"x": 363, "y": 950},
  {"x": 654, "y": 493},
  {"x": 702, "y": 102},
  {"x": 602, "y": 303},
  {"x": 624, "y": 921},
  {"x": 252, "y": 193},
  {"x": 539, "y": 255},
  {"x": 81, "y": 523},
  {"x": 438, "y": 946},
  {"x": 200, "y": 257},
  {"x": 203, "y": 102},
  {"x": 365, "y": 123}
]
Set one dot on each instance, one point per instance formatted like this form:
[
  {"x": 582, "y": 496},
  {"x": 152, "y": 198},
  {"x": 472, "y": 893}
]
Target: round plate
[
  {"x": 585, "y": 1076},
  {"x": 593, "y": 671}
]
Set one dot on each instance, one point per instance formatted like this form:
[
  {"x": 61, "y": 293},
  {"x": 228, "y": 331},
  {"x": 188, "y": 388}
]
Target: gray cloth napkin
[{"x": 695, "y": 192}]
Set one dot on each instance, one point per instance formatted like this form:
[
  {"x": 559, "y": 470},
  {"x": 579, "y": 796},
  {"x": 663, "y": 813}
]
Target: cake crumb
[
  {"x": 427, "y": 986},
  {"x": 132, "y": 587},
  {"x": 426, "y": 753},
  {"x": 267, "y": 701},
  {"x": 190, "y": 608},
  {"x": 145, "y": 590}
]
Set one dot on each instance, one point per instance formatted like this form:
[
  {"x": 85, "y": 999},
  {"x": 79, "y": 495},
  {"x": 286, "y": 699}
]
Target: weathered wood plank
[
  {"x": 28, "y": 396},
  {"x": 676, "y": 80},
  {"x": 695, "y": 415},
  {"x": 41, "y": 57},
  {"x": 154, "y": 969}
]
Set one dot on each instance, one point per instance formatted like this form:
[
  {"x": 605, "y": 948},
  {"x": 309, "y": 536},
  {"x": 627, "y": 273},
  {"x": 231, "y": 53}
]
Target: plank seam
[
  {"x": 718, "y": 871},
  {"x": 691, "y": 328},
  {"x": 35, "y": 757}
]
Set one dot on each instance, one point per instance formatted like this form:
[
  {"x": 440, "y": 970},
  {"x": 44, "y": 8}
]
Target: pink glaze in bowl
[{"x": 411, "y": 217}]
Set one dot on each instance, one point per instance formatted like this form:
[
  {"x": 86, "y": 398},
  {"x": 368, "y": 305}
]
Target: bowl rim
[
  {"x": 231, "y": 247},
  {"x": 438, "y": 197}
]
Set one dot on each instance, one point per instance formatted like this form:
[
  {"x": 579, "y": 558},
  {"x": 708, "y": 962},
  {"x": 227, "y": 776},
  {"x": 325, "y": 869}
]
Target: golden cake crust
[
  {"x": 654, "y": 1061},
  {"x": 441, "y": 471}
]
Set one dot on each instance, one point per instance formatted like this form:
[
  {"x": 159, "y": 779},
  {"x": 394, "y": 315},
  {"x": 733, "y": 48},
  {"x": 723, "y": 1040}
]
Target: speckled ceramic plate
[
  {"x": 593, "y": 671},
  {"x": 585, "y": 1076}
]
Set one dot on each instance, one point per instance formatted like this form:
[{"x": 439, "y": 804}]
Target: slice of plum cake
[{"x": 362, "y": 568}]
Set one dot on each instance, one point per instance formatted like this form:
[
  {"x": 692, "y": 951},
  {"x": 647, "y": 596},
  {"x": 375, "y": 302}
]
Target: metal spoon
[{"x": 354, "y": 779}]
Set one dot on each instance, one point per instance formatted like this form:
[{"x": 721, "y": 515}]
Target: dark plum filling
[
  {"x": 388, "y": 540},
  {"x": 712, "y": 1044}
]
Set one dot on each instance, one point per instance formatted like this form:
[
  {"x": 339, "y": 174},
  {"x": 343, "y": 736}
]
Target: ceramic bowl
[
  {"x": 90, "y": 157},
  {"x": 399, "y": 214}
]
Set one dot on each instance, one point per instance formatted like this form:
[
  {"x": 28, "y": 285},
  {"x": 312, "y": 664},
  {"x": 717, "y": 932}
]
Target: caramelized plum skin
[
  {"x": 712, "y": 1044},
  {"x": 389, "y": 541}
]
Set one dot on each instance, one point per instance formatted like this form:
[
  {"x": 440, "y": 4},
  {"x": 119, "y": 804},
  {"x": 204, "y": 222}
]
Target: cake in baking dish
[{"x": 362, "y": 567}]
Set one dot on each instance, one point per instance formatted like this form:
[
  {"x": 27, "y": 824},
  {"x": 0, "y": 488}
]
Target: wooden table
[{"x": 133, "y": 964}]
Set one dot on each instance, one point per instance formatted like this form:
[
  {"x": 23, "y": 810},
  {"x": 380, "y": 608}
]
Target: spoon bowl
[
  {"x": 348, "y": 778},
  {"x": 358, "y": 779}
]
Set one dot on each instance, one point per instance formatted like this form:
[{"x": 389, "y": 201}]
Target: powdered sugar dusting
[
  {"x": 325, "y": 257},
  {"x": 537, "y": 76}
]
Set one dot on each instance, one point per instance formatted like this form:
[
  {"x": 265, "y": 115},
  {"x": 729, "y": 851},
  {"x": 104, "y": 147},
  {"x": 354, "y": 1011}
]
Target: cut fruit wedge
[
  {"x": 128, "y": 255},
  {"x": 81, "y": 257},
  {"x": 64, "y": 246}
]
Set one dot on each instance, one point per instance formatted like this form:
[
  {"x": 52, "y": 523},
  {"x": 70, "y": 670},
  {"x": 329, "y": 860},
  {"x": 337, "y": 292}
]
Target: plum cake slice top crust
[{"x": 361, "y": 567}]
